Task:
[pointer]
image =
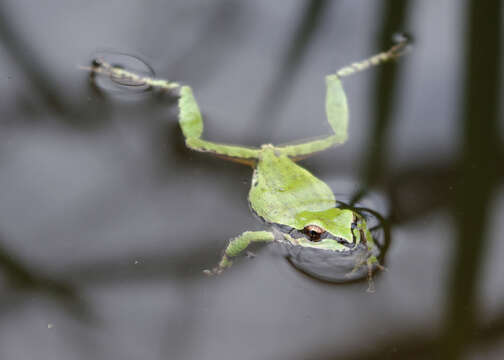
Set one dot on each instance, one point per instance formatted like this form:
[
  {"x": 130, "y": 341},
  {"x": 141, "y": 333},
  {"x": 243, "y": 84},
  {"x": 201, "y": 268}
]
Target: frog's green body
[
  {"x": 289, "y": 197},
  {"x": 301, "y": 208}
]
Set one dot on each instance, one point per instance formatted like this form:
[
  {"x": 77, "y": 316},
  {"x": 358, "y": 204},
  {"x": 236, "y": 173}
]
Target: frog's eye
[{"x": 313, "y": 232}]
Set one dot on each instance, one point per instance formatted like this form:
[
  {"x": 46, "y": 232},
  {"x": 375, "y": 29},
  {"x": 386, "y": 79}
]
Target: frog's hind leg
[
  {"x": 237, "y": 245},
  {"x": 336, "y": 106},
  {"x": 191, "y": 122},
  {"x": 190, "y": 119}
]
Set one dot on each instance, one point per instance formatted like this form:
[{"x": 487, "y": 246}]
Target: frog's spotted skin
[{"x": 300, "y": 208}]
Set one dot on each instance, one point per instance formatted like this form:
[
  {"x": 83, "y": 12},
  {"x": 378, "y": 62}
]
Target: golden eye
[{"x": 313, "y": 232}]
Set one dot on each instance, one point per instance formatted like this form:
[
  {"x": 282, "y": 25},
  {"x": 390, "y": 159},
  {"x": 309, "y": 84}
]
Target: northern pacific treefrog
[{"x": 300, "y": 209}]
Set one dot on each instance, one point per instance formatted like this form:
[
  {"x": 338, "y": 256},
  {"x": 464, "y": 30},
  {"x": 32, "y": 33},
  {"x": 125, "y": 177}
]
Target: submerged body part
[{"x": 300, "y": 209}]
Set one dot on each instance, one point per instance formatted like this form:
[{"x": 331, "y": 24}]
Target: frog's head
[
  {"x": 332, "y": 229},
  {"x": 332, "y": 245}
]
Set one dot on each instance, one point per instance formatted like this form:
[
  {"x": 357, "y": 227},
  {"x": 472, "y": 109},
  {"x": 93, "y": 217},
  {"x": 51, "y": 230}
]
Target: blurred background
[{"x": 106, "y": 219}]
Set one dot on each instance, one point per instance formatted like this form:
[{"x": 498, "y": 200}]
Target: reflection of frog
[{"x": 301, "y": 208}]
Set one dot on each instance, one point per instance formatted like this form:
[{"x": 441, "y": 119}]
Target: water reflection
[
  {"x": 84, "y": 247},
  {"x": 114, "y": 84}
]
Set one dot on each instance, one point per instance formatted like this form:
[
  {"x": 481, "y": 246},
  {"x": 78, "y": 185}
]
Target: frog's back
[{"x": 281, "y": 189}]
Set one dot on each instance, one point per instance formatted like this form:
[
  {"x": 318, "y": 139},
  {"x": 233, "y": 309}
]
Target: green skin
[{"x": 285, "y": 195}]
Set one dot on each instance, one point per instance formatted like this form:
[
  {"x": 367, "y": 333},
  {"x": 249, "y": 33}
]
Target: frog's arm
[
  {"x": 336, "y": 105},
  {"x": 237, "y": 245},
  {"x": 190, "y": 119},
  {"x": 362, "y": 233},
  {"x": 371, "y": 260}
]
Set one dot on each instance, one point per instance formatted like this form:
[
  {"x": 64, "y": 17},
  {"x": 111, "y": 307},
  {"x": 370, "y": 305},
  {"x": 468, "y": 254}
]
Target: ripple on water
[{"x": 118, "y": 84}]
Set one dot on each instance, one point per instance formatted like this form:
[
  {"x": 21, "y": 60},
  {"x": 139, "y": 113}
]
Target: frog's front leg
[
  {"x": 369, "y": 258},
  {"x": 190, "y": 119},
  {"x": 237, "y": 245}
]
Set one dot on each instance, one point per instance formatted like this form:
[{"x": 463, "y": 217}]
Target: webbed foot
[
  {"x": 214, "y": 271},
  {"x": 371, "y": 263},
  {"x": 224, "y": 263}
]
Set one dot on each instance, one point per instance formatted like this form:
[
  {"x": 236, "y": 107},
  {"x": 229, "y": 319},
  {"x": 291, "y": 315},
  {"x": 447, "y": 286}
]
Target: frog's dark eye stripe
[{"x": 313, "y": 235}]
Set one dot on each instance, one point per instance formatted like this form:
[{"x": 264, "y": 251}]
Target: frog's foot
[
  {"x": 123, "y": 76},
  {"x": 371, "y": 262},
  {"x": 223, "y": 264},
  {"x": 215, "y": 271}
]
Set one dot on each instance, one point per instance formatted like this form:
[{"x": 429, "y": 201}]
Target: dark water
[{"x": 106, "y": 220}]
